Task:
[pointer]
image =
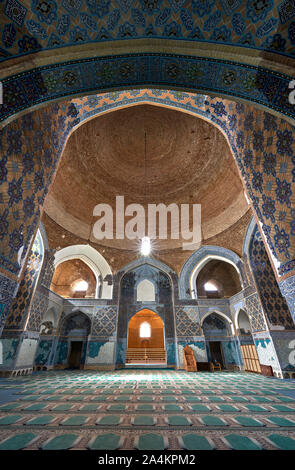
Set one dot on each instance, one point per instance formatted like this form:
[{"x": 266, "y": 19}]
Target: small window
[
  {"x": 81, "y": 286},
  {"x": 210, "y": 287},
  {"x": 145, "y": 330},
  {"x": 146, "y": 291}
]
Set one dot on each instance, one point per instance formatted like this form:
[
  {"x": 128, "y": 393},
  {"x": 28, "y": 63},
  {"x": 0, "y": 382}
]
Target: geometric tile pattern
[
  {"x": 104, "y": 321},
  {"x": 274, "y": 304},
  {"x": 26, "y": 168},
  {"x": 255, "y": 313},
  {"x": 37, "y": 311},
  {"x": 83, "y": 76},
  {"x": 248, "y": 273},
  {"x": 187, "y": 321},
  {"x": 287, "y": 288},
  {"x": 214, "y": 325},
  {"x": 8, "y": 288},
  {"x": 263, "y": 146},
  {"x": 48, "y": 268},
  {"x": 21, "y": 304},
  {"x": 73, "y": 22}
]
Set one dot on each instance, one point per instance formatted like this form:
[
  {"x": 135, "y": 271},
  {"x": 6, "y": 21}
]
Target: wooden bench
[{"x": 216, "y": 366}]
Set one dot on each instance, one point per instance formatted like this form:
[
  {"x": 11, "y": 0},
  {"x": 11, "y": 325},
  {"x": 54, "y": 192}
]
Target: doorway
[
  {"x": 75, "y": 355},
  {"x": 146, "y": 343},
  {"x": 216, "y": 352}
]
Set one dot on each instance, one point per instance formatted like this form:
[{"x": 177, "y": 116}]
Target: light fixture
[{"x": 145, "y": 247}]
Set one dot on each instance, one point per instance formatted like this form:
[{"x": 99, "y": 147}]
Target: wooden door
[
  {"x": 250, "y": 358},
  {"x": 75, "y": 355}
]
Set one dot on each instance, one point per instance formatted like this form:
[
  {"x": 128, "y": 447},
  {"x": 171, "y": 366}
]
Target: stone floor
[{"x": 147, "y": 410}]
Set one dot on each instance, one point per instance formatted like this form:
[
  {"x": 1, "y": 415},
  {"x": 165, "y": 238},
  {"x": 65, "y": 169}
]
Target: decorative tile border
[{"x": 43, "y": 84}]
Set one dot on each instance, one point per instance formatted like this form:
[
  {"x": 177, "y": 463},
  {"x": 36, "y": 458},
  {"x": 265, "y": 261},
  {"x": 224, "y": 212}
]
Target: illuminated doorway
[{"x": 146, "y": 343}]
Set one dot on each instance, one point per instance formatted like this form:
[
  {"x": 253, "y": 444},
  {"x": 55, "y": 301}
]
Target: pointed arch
[
  {"x": 222, "y": 315},
  {"x": 242, "y": 312},
  {"x": 94, "y": 260},
  {"x": 146, "y": 291},
  {"x": 198, "y": 260},
  {"x": 150, "y": 262},
  {"x": 73, "y": 319}
]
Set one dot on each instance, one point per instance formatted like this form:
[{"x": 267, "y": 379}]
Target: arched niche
[
  {"x": 76, "y": 324},
  {"x": 74, "y": 278},
  {"x": 216, "y": 324},
  {"x": 217, "y": 279},
  {"x": 146, "y": 330},
  {"x": 243, "y": 323},
  {"x": 73, "y": 339},
  {"x": 164, "y": 280},
  {"x": 49, "y": 322},
  {"x": 218, "y": 331},
  {"x": 145, "y": 291},
  {"x": 96, "y": 263},
  {"x": 196, "y": 262}
]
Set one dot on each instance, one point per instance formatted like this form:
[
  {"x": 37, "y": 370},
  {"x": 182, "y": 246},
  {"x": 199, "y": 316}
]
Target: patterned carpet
[{"x": 147, "y": 410}]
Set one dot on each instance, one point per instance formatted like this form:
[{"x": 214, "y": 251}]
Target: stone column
[
  {"x": 8, "y": 290},
  {"x": 21, "y": 334}
]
